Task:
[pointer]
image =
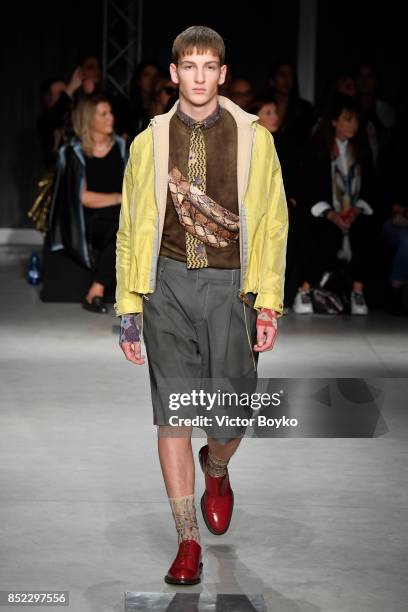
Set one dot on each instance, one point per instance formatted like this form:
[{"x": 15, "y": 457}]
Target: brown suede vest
[{"x": 221, "y": 181}]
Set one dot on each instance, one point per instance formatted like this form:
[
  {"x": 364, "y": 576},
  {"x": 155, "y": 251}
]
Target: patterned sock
[
  {"x": 185, "y": 518},
  {"x": 215, "y": 465}
]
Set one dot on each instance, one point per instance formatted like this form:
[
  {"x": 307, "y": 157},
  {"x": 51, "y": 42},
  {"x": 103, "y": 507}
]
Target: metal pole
[
  {"x": 105, "y": 41},
  {"x": 122, "y": 42},
  {"x": 306, "y": 65},
  {"x": 139, "y": 54}
]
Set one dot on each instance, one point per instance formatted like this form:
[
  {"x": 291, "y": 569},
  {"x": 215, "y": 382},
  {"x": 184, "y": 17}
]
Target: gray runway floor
[{"x": 319, "y": 524}]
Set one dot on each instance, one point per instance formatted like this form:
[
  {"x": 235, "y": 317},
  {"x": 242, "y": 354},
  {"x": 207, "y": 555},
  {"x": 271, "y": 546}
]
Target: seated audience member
[
  {"x": 339, "y": 190},
  {"x": 84, "y": 217}
]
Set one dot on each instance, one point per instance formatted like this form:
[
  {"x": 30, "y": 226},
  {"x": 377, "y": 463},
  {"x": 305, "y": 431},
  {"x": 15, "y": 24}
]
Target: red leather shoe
[
  {"x": 187, "y": 566},
  {"x": 217, "y": 501}
]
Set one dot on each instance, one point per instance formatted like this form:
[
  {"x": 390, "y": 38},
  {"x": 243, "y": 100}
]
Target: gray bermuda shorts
[{"x": 195, "y": 326}]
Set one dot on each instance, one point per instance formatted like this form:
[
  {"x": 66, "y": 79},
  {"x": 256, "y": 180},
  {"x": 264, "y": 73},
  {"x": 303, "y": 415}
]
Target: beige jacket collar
[{"x": 240, "y": 116}]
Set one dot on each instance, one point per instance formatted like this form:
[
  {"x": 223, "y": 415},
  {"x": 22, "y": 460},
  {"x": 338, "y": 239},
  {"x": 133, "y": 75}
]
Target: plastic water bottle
[{"x": 33, "y": 274}]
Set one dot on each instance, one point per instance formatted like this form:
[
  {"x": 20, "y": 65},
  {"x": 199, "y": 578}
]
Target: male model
[{"x": 201, "y": 253}]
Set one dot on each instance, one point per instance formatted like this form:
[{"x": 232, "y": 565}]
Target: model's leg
[
  {"x": 218, "y": 500},
  {"x": 177, "y": 464},
  {"x": 176, "y": 459},
  {"x": 226, "y": 339},
  {"x": 220, "y": 454},
  {"x": 171, "y": 347}
]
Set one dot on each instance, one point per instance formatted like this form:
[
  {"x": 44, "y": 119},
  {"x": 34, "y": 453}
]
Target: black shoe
[{"x": 97, "y": 304}]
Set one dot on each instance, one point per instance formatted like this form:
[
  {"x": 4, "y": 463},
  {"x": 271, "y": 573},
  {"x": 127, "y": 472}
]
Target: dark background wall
[
  {"x": 39, "y": 40},
  {"x": 254, "y": 34},
  {"x": 355, "y": 30}
]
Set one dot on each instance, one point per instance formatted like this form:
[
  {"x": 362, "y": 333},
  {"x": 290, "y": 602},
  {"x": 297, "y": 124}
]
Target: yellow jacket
[{"x": 262, "y": 210}]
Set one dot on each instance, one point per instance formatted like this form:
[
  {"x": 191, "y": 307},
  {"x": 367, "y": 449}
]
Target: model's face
[
  {"x": 268, "y": 117},
  {"x": 103, "y": 120},
  {"x": 284, "y": 79},
  {"x": 198, "y": 77},
  {"x": 346, "y": 125}
]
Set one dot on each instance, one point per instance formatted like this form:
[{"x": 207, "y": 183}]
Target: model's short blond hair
[{"x": 202, "y": 39}]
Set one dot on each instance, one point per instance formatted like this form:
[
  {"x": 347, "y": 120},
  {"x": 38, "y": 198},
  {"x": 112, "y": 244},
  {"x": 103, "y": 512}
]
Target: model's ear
[
  {"x": 223, "y": 74},
  {"x": 173, "y": 74}
]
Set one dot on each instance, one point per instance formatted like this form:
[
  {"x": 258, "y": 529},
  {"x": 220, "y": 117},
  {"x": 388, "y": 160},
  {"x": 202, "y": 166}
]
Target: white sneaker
[
  {"x": 358, "y": 303},
  {"x": 303, "y": 302}
]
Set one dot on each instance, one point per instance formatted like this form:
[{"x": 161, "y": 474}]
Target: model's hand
[
  {"x": 266, "y": 330},
  {"x": 129, "y": 339},
  {"x": 133, "y": 352}
]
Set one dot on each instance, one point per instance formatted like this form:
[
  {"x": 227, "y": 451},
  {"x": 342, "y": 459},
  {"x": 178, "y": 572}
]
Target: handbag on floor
[{"x": 331, "y": 295}]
